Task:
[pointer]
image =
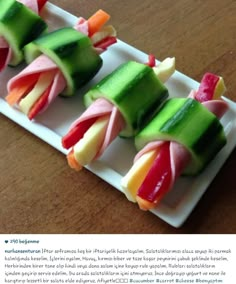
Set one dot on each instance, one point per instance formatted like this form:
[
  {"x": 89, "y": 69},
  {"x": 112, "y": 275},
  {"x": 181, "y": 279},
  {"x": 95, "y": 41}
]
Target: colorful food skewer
[
  {"x": 120, "y": 104},
  {"x": 20, "y": 23},
  {"x": 59, "y": 63},
  {"x": 182, "y": 138}
]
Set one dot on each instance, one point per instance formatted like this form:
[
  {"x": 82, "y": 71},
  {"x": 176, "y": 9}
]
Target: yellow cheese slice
[
  {"x": 134, "y": 178},
  {"x": 220, "y": 89},
  {"x": 87, "y": 148},
  {"x": 103, "y": 33},
  {"x": 42, "y": 84},
  {"x": 165, "y": 69}
]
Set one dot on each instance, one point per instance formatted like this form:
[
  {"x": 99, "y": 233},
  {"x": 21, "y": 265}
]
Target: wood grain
[{"x": 38, "y": 191}]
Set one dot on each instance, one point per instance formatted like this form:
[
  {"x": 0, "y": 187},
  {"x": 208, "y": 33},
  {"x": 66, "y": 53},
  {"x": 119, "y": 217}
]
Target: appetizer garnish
[
  {"x": 20, "y": 23},
  {"x": 59, "y": 63},
  {"x": 120, "y": 104},
  {"x": 182, "y": 138}
]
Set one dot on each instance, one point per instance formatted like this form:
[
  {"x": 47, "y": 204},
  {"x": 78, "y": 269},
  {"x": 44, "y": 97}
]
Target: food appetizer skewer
[
  {"x": 182, "y": 138},
  {"x": 120, "y": 104},
  {"x": 59, "y": 63},
  {"x": 20, "y": 23}
]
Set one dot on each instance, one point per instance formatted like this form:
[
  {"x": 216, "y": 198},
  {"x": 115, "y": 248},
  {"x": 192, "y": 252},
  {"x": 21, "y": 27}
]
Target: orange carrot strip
[
  {"x": 73, "y": 162},
  {"x": 19, "y": 91},
  {"x": 96, "y": 21},
  {"x": 145, "y": 204},
  {"x": 16, "y": 94}
]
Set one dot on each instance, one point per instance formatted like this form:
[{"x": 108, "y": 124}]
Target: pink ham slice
[
  {"x": 99, "y": 108},
  {"x": 82, "y": 26},
  {"x": 40, "y": 65},
  {"x": 31, "y": 4}
]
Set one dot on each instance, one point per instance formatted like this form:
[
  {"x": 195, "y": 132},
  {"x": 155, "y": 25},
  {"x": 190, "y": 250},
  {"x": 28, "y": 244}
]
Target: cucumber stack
[
  {"x": 120, "y": 104},
  {"x": 182, "y": 139},
  {"x": 72, "y": 52},
  {"x": 19, "y": 25},
  {"x": 59, "y": 63},
  {"x": 188, "y": 122},
  {"x": 135, "y": 90}
]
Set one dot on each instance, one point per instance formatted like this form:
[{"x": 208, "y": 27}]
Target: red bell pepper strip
[
  {"x": 38, "y": 106},
  {"x": 106, "y": 42},
  {"x": 207, "y": 87},
  {"x": 157, "y": 180},
  {"x": 77, "y": 133},
  {"x": 151, "y": 60},
  {"x": 3, "y": 56},
  {"x": 41, "y": 4}
]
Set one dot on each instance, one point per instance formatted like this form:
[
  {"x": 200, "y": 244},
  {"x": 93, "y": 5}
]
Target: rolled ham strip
[
  {"x": 32, "y": 4},
  {"x": 100, "y": 109},
  {"x": 41, "y": 65}
]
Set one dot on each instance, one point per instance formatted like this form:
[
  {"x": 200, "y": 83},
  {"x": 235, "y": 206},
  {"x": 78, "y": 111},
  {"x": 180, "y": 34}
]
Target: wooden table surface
[{"x": 39, "y": 193}]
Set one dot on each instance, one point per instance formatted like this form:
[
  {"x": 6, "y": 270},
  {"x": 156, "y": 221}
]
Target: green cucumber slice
[
  {"x": 73, "y": 53},
  {"x": 135, "y": 90},
  {"x": 189, "y": 123},
  {"x": 19, "y": 25}
]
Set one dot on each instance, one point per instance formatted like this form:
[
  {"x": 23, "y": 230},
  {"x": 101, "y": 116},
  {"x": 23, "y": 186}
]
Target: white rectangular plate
[{"x": 53, "y": 124}]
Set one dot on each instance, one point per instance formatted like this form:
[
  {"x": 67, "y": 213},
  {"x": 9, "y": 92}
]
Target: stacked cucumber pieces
[{"x": 19, "y": 25}]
